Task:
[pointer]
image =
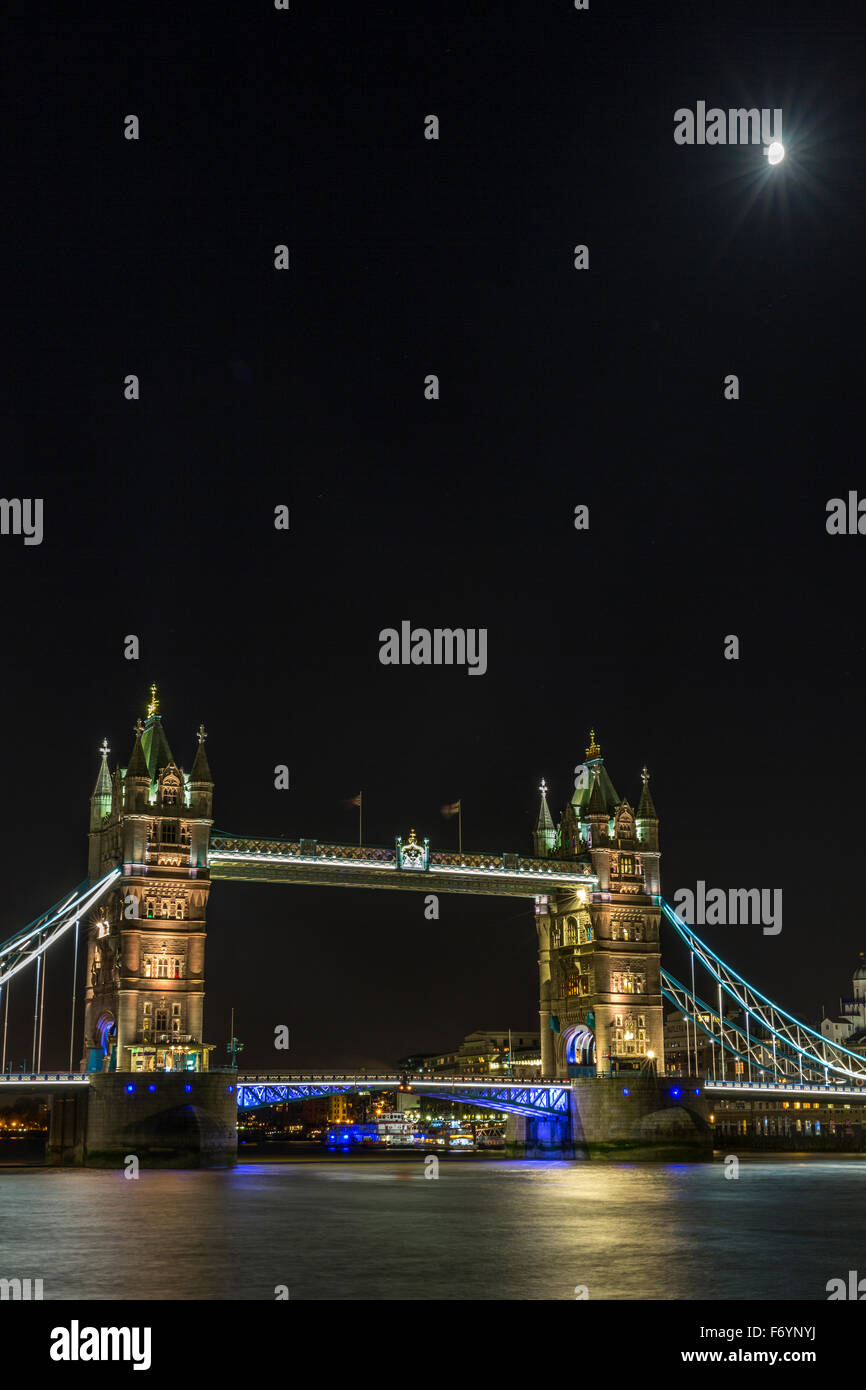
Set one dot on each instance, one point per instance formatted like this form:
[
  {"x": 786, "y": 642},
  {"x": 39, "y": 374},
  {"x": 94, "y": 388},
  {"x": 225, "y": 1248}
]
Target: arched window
[{"x": 150, "y": 907}]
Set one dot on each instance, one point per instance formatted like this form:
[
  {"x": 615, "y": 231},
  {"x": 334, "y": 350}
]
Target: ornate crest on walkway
[{"x": 412, "y": 854}]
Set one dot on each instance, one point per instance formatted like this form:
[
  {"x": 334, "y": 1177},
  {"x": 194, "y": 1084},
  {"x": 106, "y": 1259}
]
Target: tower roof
[
  {"x": 200, "y": 767},
  {"x": 103, "y": 780},
  {"x": 596, "y": 805},
  {"x": 155, "y": 745},
  {"x": 581, "y": 798},
  {"x": 646, "y": 807},
  {"x": 545, "y": 820},
  {"x": 137, "y": 765}
]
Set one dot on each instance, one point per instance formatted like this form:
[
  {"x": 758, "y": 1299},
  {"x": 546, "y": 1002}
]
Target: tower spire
[
  {"x": 200, "y": 771},
  {"x": 597, "y": 807},
  {"x": 101, "y": 798},
  {"x": 646, "y": 808},
  {"x": 544, "y": 834}
]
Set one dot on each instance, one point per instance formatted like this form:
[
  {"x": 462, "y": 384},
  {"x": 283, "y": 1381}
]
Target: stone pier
[
  {"x": 621, "y": 1119},
  {"x": 165, "y": 1120}
]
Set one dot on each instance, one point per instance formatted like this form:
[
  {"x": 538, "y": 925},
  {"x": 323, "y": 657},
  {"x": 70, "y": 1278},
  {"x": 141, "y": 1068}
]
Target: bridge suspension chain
[
  {"x": 32, "y": 941},
  {"x": 798, "y": 1051}
]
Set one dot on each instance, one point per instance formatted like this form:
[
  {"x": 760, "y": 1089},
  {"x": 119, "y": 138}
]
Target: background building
[{"x": 482, "y": 1053}]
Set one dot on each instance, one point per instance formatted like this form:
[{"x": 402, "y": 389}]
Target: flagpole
[
  {"x": 360, "y": 819},
  {"x": 460, "y": 824}
]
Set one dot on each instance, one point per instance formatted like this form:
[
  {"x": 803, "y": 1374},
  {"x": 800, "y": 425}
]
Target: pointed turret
[
  {"x": 647, "y": 821},
  {"x": 596, "y": 808},
  {"x": 100, "y": 801},
  {"x": 646, "y": 808},
  {"x": 137, "y": 766},
  {"x": 200, "y": 768},
  {"x": 200, "y": 779},
  {"x": 544, "y": 834},
  {"x": 137, "y": 782}
]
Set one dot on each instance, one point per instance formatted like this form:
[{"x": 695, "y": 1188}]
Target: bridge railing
[{"x": 222, "y": 843}]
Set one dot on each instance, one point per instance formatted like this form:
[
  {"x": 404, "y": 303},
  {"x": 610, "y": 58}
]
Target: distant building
[
  {"x": 483, "y": 1053},
  {"x": 682, "y": 1038},
  {"x": 849, "y": 1028}
]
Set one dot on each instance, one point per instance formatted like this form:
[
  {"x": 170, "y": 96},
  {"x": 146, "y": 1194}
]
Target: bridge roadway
[
  {"x": 533, "y": 1098},
  {"x": 530, "y": 1097},
  {"x": 411, "y": 866}
]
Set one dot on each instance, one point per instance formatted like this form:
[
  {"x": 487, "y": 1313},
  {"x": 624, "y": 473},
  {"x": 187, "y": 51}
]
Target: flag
[
  {"x": 353, "y": 800},
  {"x": 451, "y": 809}
]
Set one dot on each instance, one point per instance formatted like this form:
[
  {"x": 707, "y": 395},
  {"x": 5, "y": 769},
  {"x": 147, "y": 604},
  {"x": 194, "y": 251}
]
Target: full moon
[{"x": 776, "y": 152}]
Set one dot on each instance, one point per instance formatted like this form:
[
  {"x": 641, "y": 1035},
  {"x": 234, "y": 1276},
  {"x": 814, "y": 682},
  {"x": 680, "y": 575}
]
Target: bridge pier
[
  {"x": 640, "y": 1119},
  {"x": 545, "y": 1137},
  {"x": 66, "y": 1130},
  {"x": 635, "y": 1119},
  {"x": 164, "y": 1120}
]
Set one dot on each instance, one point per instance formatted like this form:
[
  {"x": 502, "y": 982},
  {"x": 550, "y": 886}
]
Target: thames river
[{"x": 484, "y": 1229}]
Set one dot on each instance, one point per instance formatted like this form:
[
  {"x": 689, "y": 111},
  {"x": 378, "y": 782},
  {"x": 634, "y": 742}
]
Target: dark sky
[{"x": 605, "y": 387}]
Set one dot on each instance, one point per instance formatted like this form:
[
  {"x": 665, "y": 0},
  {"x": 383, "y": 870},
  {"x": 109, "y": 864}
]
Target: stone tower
[
  {"x": 146, "y": 941},
  {"x": 599, "y": 953}
]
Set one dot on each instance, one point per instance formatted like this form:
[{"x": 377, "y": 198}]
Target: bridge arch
[{"x": 577, "y": 1049}]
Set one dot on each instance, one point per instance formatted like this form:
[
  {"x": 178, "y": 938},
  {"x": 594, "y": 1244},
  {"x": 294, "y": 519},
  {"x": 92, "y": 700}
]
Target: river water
[{"x": 484, "y": 1229}]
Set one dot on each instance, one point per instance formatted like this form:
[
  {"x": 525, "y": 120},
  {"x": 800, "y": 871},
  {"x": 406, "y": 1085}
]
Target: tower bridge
[{"x": 594, "y": 883}]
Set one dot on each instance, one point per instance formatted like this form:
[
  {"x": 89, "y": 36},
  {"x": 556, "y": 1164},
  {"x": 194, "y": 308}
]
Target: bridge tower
[
  {"x": 144, "y": 999},
  {"x": 600, "y": 999}
]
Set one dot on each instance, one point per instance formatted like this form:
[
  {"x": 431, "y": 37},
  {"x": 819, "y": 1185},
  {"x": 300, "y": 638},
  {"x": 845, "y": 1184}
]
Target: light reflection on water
[{"x": 482, "y": 1230}]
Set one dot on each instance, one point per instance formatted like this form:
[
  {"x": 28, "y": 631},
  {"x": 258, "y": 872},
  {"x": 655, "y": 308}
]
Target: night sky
[{"x": 558, "y": 388}]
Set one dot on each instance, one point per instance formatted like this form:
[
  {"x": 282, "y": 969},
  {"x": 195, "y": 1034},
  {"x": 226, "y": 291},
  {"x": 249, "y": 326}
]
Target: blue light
[
  {"x": 187, "y": 1087},
  {"x": 130, "y": 1087},
  {"x": 675, "y": 1093},
  {"x": 231, "y": 1088},
  {"x": 151, "y": 1087},
  {"x": 697, "y": 1091},
  {"x": 625, "y": 1090}
]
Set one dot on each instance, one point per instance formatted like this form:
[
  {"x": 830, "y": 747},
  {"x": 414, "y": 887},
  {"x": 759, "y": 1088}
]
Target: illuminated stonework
[
  {"x": 599, "y": 955},
  {"x": 144, "y": 999}
]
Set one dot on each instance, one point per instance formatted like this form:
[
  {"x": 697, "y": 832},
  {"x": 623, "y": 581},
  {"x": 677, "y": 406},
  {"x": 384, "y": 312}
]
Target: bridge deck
[{"x": 370, "y": 866}]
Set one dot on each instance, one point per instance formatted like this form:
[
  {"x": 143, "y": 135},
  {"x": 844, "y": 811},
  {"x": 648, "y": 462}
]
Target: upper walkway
[{"x": 409, "y": 865}]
